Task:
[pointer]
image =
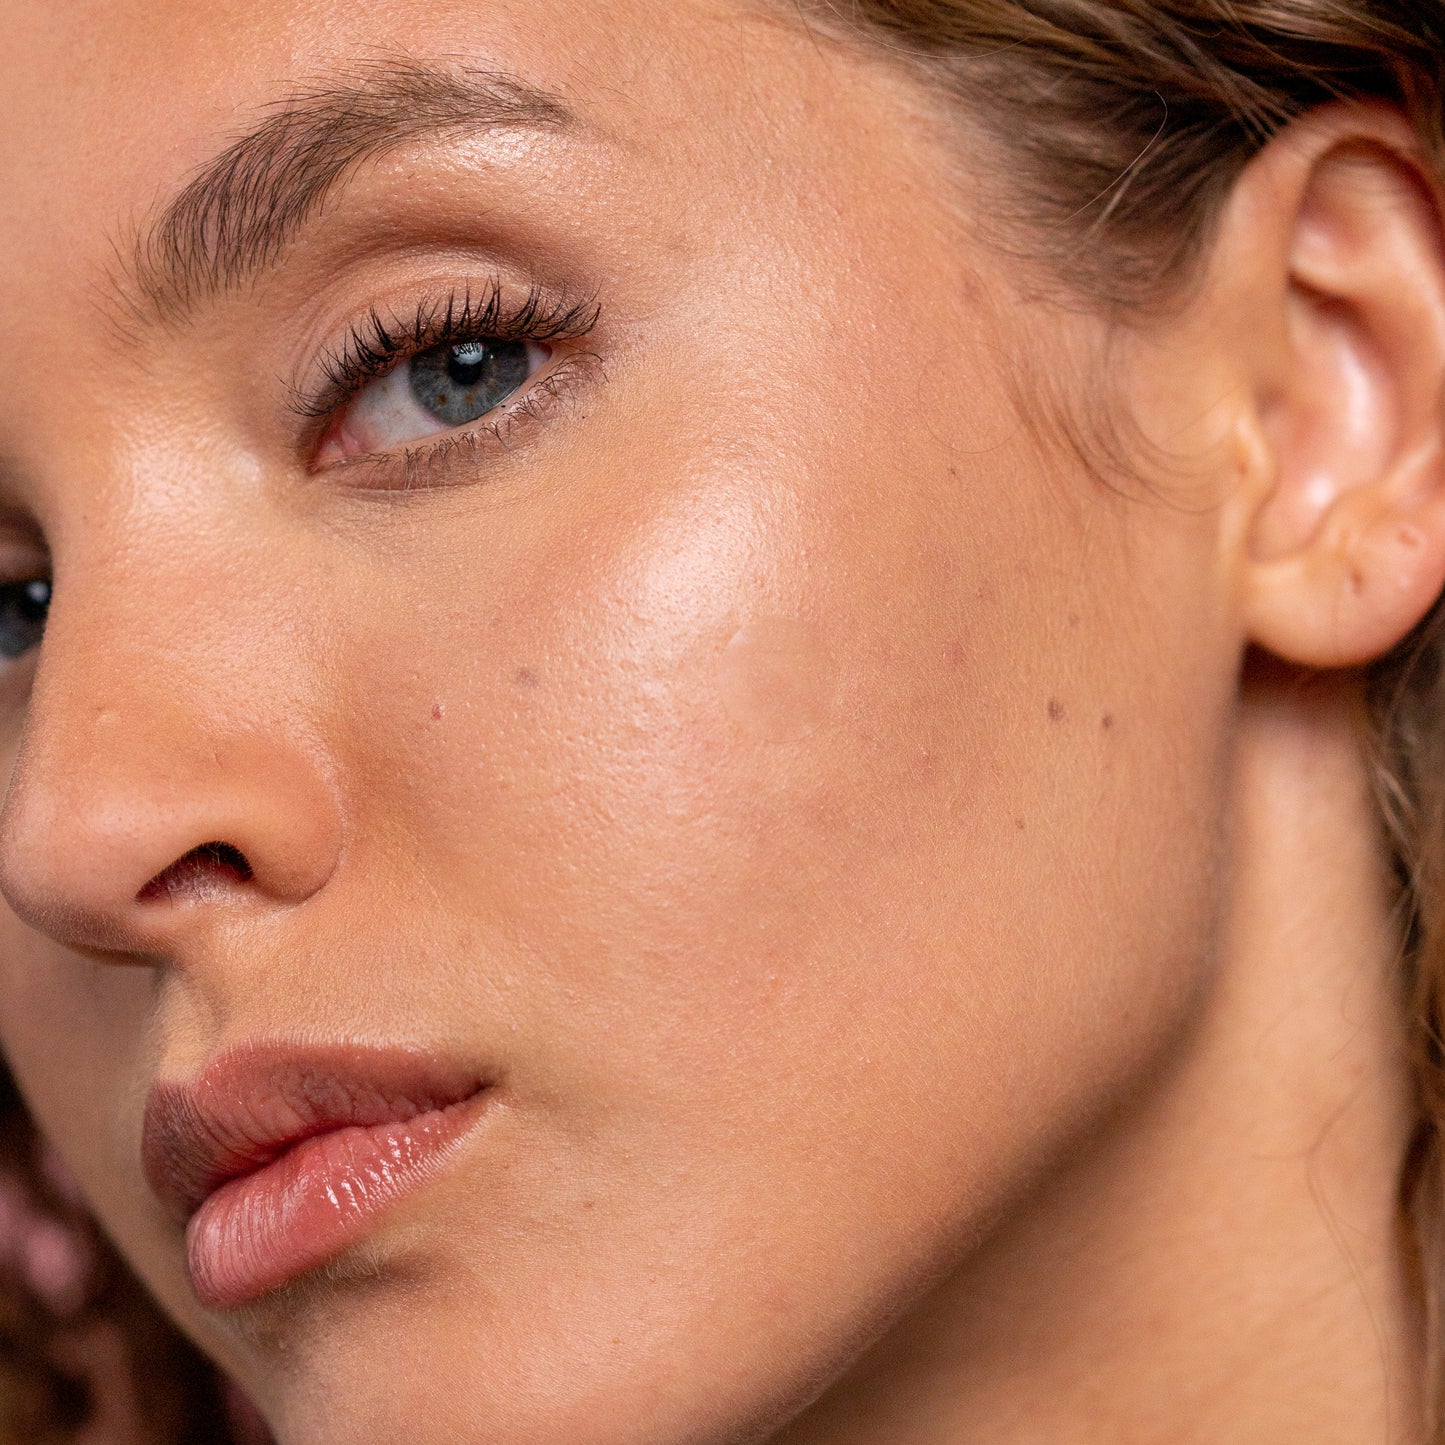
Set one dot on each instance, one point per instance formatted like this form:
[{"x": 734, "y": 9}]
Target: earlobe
[
  {"x": 1364, "y": 580},
  {"x": 1344, "y": 551}
]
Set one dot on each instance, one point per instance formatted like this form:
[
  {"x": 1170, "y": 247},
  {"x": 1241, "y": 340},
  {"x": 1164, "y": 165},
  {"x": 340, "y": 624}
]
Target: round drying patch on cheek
[{"x": 775, "y": 679}]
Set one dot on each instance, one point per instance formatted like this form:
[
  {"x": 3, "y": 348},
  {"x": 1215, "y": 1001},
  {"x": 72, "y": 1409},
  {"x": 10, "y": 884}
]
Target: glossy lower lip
[
  {"x": 280, "y": 1157},
  {"x": 318, "y": 1199}
]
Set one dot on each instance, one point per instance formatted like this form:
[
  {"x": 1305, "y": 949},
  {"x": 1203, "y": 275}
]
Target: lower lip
[{"x": 322, "y": 1196}]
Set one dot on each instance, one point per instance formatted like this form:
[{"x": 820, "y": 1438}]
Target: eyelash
[{"x": 378, "y": 344}]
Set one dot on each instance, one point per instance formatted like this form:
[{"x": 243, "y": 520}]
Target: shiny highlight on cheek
[{"x": 776, "y": 680}]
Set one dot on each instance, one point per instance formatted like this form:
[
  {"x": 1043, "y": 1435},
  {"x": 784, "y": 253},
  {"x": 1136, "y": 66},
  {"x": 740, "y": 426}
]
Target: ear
[{"x": 1336, "y": 228}]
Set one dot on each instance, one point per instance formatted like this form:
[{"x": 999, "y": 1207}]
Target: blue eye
[
  {"x": 24, "y": 607},
  {"x": 435, "y": 391},
  {"x": 461, "y": 382}
]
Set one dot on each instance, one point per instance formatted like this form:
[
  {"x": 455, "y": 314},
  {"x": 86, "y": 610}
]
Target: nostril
[
  {"x": 222, "y": 857},
  {"x": 198, "y": 872}
]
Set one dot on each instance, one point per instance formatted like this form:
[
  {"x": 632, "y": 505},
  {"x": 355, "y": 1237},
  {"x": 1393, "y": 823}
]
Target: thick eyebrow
[{"x": 238, "y": 212}]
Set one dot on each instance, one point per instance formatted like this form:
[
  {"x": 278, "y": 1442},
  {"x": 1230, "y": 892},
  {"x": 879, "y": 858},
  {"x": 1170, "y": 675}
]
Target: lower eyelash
[{"x": 434, "y": 464}]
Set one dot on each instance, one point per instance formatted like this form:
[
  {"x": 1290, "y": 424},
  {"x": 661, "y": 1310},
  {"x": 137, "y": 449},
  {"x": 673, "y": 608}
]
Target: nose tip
[{"x": 110, "y": 845}]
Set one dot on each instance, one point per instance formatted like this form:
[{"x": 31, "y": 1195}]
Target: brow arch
[{"x": 236, "y": 214}]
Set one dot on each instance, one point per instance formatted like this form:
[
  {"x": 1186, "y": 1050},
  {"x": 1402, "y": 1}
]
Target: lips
[{"x": 279, "y": 1158}]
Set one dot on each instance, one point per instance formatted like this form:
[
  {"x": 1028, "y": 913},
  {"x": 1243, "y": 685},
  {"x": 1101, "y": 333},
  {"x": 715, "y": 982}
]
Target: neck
[{"x": 1226, "y": 1260}]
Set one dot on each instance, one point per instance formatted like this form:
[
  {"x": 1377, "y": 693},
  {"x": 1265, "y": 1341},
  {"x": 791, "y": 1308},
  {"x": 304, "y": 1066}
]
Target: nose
[{"x": 144, "y": 793}]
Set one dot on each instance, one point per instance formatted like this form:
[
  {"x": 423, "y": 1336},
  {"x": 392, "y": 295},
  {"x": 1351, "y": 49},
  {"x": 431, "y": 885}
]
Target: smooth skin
[{"x": 922, "y": 907}]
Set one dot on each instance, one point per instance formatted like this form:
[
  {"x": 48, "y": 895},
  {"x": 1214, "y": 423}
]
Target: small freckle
[
  {"x": 438, "y": 712},
  {"x": 1107, "y": 722},
  {"x": 1019, "y": 824},
  {"x": 953, "y": 471},
  {"x": 526, "y": 677},
  {"x": 1056, "y": 710}
]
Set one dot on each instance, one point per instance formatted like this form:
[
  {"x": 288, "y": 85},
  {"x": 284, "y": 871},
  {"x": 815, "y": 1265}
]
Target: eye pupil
[
  {"x": 24, "y": 607},
  {"x": 466, "y": 363},
  {"x": 464, "y": 380}
]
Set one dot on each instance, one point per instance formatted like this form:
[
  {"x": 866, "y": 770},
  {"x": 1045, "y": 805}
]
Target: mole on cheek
[{"x": 775, "y": 679}]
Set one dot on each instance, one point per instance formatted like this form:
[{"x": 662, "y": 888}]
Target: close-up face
[{"x": 580, "y": 648}]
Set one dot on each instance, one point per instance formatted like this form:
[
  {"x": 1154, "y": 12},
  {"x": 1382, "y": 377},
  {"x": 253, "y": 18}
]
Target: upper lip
[{"x": 254, "y": 1102}]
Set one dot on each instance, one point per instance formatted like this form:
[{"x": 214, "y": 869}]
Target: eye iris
[
  {"x": 23, "y": 610},
  {"x": 464, "y": 380}
]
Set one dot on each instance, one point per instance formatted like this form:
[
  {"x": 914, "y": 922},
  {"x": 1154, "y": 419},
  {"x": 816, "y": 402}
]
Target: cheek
[
  {"x": 775, "y": 679},
  {"x": 733, "y": 794},
  {"x": 781, "y": 849}
]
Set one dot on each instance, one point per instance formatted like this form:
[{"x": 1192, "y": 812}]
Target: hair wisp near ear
[{"x": 1344, "y": 550}]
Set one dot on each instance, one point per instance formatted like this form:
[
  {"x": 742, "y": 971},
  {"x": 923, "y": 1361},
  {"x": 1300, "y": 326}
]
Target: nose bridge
[{"x": 154, "y": 731}]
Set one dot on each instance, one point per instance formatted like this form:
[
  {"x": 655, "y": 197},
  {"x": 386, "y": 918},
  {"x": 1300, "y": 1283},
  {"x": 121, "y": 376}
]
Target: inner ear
[
  {"x": 1359, "y": 297},
  {"x": 1337, "y": 428}
]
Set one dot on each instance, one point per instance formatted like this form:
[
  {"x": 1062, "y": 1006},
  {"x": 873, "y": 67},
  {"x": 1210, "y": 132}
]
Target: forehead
[{"x": 112, "y": 105}]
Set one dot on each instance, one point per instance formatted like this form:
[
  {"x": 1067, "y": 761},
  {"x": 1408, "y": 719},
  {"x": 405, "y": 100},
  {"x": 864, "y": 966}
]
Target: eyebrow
[{"x": 236, "y": 215}]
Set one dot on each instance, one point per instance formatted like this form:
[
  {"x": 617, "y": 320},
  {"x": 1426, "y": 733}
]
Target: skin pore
[{"x": 920, "y": 910}]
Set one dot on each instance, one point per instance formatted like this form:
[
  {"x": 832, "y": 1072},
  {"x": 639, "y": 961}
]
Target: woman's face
[{"x": 754, "y": 750}]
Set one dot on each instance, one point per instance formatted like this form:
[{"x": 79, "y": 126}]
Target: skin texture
[{"x": 935, "y": 973}]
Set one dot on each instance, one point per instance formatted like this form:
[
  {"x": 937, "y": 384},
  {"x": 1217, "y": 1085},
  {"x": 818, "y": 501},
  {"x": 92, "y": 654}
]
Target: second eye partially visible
[{"x": 24, "y": 607}]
